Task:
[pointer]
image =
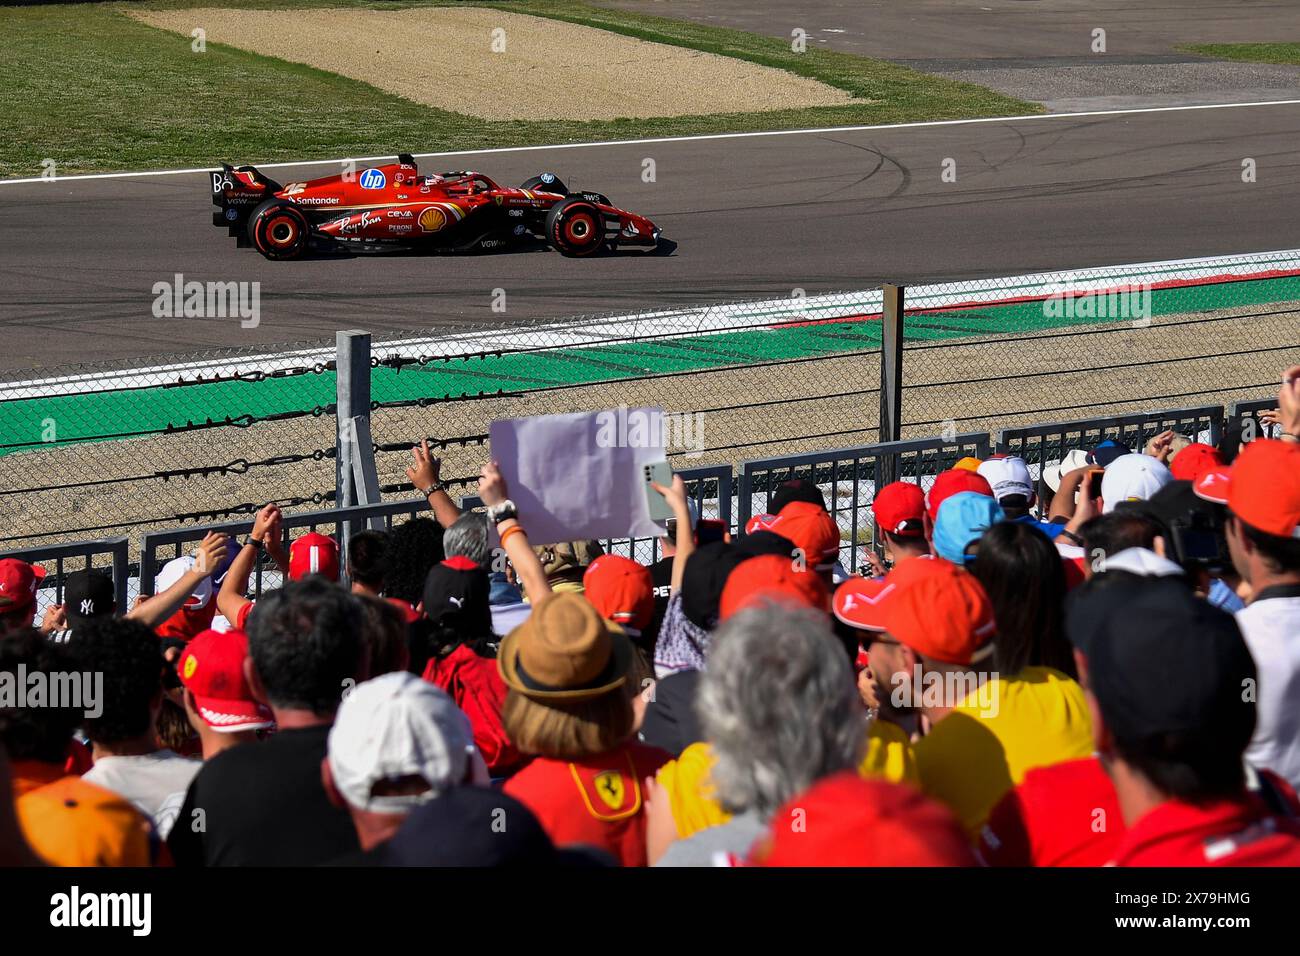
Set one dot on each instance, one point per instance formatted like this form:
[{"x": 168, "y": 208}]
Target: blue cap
[
  {"x": 1106, "y": 452},
  {"x": 962, "y": 518}
]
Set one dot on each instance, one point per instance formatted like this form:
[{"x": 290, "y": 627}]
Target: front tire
[
  {"x": 279, "y": 230},
  {"x": 576, "y": 228}
]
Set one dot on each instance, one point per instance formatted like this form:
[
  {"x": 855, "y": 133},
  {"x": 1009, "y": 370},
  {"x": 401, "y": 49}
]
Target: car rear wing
[{"x": 236, "y": 192}]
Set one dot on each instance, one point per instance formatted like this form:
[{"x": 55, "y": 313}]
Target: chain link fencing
[{"x": 100, "y": 451}]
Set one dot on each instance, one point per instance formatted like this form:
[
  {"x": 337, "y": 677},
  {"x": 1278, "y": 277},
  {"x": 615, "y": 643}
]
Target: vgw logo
[{"x": 373, "y": 179}]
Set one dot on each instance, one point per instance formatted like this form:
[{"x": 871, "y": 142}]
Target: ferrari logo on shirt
[
  {"x": 609, "y": 793},
  {"x": 609, "y": 787}
]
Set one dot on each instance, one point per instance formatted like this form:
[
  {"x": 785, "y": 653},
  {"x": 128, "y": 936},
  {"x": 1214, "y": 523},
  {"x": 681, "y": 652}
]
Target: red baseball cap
[
  {"x": 212, "y": 669},
  {"x": 773, "y": 577},
  {"x": 314, "y": 553},
  {"x": 942, "y": 612},
  {"x": 848, "y": 821},
  {"x": 1263, "y": 487},
  {"x": 899, "y": 508},
  {"x": 621, "y": 590},
  {"x": 861, "y": 602},
  {"x": 1194, "y": 460},
  {"x": 954, "y": 481},
  {"x": 18, "y": 581},
  {"x": 811, "y": 528}
]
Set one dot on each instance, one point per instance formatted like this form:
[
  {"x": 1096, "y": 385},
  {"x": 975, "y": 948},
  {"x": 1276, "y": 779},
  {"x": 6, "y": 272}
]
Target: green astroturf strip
[{"x": 97, "y": 417}]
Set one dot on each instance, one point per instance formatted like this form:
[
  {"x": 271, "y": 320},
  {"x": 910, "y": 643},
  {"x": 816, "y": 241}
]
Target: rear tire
[
  {"x": 576, "y": 228},
  {"x": 279, "y": 230},
  {"x": 554, "y": 186}
]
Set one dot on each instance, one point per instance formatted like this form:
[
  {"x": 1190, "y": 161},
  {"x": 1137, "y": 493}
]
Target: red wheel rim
[
  {"x": 580, "y": 229},
  {"x": 282, "y": 232}
]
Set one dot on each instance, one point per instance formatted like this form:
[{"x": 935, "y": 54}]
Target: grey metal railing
[
  {"x": 1047, "y": 444},
  {"x": 849, "y": 476},
  {"x": 72, "y": 556},
  {"x": 159, "y": 547}
]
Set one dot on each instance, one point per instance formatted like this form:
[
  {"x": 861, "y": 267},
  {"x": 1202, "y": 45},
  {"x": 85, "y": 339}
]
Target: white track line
[
  {"x": 1035, "y": 117},
  {"x": 676, "y": 323}
]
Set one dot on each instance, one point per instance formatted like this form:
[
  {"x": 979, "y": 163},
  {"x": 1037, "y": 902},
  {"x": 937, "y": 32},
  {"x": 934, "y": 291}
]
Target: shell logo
[{"x": 432, "y": 219}]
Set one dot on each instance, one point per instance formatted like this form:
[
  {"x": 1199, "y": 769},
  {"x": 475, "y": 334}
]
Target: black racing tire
[
  {"x": 554, "y": 186},
  {"x": 576, "y": 228},
  {"x": 279, "y": 230}
]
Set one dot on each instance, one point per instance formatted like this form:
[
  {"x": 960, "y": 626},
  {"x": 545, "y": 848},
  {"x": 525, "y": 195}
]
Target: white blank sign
[{"x": 580, "y": 476}]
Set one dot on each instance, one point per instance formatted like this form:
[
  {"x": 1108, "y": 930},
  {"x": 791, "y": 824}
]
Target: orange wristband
[{"x": 505, "y": 535}]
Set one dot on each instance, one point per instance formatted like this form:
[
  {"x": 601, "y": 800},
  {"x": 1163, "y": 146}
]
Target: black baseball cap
[
  {"x": 468, "y": 826},
  {"x": 796, "y": 489},
  {"x": 88, "y": 595},
  {"x": 765, "y": 542},
  {"x": 1163, "y": 661},
  {"x": 457, "y": 595},
  {"x": 703, "y": 579}
]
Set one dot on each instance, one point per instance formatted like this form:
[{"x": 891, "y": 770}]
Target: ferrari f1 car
[{"x": 389, "y": 206}]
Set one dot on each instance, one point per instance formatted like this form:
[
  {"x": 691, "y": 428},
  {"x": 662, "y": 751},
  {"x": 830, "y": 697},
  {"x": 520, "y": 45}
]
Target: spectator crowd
[{"x": 1108, "y": 674}]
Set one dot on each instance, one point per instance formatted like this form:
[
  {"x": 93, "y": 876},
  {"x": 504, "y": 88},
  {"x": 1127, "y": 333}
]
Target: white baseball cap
[
  {"x": 1142, "y": 561},
  {"x": 1132, "y": 477},
  {"x": 396, "y": 726},
  {"x": 1073, "y": 461},
  {"x": 1007, "y": 476},
  {"x": 173, "y": 571}
]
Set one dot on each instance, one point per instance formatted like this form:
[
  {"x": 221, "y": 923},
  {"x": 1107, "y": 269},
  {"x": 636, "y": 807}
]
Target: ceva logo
[{"x": 373, "y": 179}]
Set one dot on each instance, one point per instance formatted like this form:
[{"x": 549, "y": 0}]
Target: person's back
[
  {"x": 471, "y": 679},
  {"x": 1233, "y": 831},
  {"x": 996, "y": 734},
  {"x": 263, "y": 805},
  {"x": 1066, "y": 814},
  {"x": 592, "y": 801},
  {"x": 1270, "y": 625}
]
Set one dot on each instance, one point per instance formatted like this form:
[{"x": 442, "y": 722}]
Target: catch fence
[{"x": 103, "y": 452}]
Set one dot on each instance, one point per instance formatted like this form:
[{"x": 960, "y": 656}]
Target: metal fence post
[
  {"x": 352, "y": 449},
  {"x": 891, "y": 376}
]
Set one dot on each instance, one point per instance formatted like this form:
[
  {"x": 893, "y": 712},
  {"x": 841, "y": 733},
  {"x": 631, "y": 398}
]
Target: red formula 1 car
[{"x": 389, "y": 206}]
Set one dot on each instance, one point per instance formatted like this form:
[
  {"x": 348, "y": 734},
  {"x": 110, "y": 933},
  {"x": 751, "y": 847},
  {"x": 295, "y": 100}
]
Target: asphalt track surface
[
  {"x": 1041, "y": 50},
  {"x": 753, "y": 217}
]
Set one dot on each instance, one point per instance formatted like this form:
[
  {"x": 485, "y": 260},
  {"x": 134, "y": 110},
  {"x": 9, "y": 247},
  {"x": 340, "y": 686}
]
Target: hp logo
[{"x": 373, "y": 179}]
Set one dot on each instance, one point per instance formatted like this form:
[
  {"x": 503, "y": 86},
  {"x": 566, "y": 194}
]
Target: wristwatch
[
  {"x": 499, "y": 513},
  {"x": 436, "y": 486},
  {"x": 259, "y": 545}
]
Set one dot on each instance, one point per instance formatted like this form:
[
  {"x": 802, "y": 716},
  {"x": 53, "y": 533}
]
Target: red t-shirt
[
  {"x": 473, "y": 682},
  {"x": 1065, "y": 814},
  {"x": 1238, "y": 832},
  {"x": 597, "y": 801}
]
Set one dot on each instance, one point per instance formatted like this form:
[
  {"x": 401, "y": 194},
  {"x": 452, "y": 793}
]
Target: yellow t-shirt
[
  {"x": 690, "y": 793},
  {"x": 996, "y": 734},
  {"x": 695, "y": 808},
  {"x": 889, "y": 755}
]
